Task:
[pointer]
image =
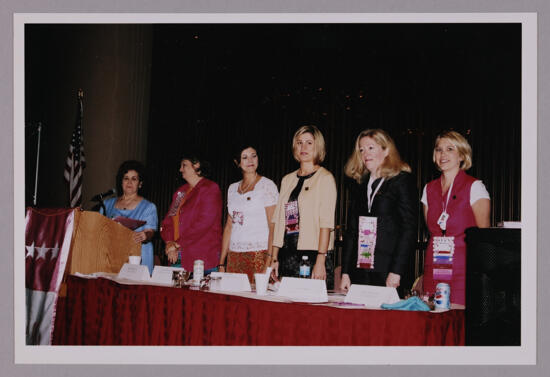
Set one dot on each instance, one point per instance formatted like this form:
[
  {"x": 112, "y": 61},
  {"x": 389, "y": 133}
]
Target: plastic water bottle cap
[{"x": 304, "y": 257}]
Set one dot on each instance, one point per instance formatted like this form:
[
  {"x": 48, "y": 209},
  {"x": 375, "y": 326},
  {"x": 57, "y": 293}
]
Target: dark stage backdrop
[{"x": 215, "y": 86}]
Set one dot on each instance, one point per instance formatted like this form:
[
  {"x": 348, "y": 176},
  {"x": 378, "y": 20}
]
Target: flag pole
[
  {"x": 76, "y": 162},
  {"x": 35, "y": 196}
]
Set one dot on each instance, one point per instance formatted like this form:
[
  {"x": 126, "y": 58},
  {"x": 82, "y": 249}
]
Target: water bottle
[
  {"x": 305, "y": 268},
  {"x": 198, "y": 272}
]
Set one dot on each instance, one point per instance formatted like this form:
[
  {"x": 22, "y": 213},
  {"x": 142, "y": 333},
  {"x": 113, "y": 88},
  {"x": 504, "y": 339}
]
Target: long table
[{"x": 103, "y": 312}]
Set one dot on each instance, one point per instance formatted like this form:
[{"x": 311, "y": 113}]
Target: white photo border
[{"x": 502, "y": 355}]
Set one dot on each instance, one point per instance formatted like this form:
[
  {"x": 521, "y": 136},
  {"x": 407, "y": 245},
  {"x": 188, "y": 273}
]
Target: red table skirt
[{"x": 103, "y": 312}]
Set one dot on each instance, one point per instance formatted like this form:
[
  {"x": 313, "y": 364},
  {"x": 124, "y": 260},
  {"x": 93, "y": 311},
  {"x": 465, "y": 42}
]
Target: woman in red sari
[{"x": 192, "y": 227}]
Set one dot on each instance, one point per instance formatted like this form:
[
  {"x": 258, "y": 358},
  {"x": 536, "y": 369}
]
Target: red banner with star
[{"x": 48, "y": 235}]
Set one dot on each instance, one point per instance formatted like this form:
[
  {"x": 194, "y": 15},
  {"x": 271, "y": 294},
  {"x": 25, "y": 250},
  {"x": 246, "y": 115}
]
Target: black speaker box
[{"x": 493, "y": 287}]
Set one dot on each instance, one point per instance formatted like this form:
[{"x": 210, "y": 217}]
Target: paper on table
[
  {"x": 87, "y": 276},
  {"x": 163, "y": 274},
  {"x": 371, "y": 296},
  {"x": 303, "y": 290},
  {"x": 95, "y": 275},
  {"x": 229, "y": 282},
  {"x": 509, "y": 224},
  {"x": 134, "y": 272}
]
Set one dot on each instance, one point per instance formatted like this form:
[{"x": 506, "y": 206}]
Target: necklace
[
  {"x": 243, "y": 189},
  {"x": 126, "y": 203},
  {"x": 306, "y": 173}
]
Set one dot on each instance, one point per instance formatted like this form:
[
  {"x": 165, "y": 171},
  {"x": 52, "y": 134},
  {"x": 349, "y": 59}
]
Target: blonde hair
[
  {"x": 319, "y": 143},
  {"x": 462, "y": 146},
  {"x": 390, "y": 167}
]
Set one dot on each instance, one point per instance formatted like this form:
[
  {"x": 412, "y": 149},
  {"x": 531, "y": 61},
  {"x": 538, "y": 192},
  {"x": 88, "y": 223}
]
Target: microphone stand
[
  {"x": 99, "y": 198},
  {"x": 100, "y": 205}
]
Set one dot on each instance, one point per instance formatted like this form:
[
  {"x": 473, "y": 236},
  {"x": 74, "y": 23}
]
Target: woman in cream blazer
[{"x": 304, "y": 215}]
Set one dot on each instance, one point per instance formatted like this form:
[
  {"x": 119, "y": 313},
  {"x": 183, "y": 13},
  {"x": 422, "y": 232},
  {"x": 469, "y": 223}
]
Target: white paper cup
[
  {"x": 261, "y": 283},
  {"x": 134, "y": 259}
]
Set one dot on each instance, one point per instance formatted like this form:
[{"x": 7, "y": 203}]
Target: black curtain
[{"x": 215, "y": 86}]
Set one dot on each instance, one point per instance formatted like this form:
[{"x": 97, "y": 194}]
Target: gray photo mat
[{"x": 7, "y": 150}]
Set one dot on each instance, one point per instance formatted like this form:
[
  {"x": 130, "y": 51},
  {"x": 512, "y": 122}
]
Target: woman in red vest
[{"x": 453, "y": 203}]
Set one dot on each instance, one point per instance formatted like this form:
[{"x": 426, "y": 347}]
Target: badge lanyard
[
  {"x": 367, "y": 233},
  {"x": 443, "y": 247},
  {"x": 442, "y": 221},
  {"x": 370, "y": 198}
]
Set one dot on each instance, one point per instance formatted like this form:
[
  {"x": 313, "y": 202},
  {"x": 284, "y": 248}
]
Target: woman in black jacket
[{"x": 382, "y": 217}]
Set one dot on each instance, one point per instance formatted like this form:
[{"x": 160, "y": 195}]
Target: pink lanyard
[{"x": 442, "y": 222}]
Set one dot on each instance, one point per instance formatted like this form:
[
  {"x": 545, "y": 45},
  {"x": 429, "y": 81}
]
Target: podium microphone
[{"x": 100, "y": 197}]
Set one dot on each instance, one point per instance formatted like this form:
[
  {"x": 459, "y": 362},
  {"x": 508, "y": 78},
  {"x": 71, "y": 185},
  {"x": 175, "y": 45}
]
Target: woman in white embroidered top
[{"x": 248, "y": 230}]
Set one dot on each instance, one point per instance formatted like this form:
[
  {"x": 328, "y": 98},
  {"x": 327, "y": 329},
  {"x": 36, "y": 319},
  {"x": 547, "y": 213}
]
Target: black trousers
[{"x": 368, "y": 277}]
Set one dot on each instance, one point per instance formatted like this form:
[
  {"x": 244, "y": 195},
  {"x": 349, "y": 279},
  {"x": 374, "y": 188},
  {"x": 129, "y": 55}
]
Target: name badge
[
  {"x": 443, "y": 252},
  {"x": 366, "y": 242},
  {"x": 442, "y": 221},
  {"x": 292, "y": 217},
  {"x": 444, "y": 245}
]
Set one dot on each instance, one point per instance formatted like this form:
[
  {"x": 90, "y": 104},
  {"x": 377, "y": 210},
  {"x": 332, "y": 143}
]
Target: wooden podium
[{"x": 99, "y": 244}]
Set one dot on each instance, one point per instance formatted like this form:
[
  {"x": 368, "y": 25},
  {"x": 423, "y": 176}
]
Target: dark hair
[
  {"x": 237, "y": 152},
  {"x": 204, "y": 170},
  {"x": 124, "y": 168}
]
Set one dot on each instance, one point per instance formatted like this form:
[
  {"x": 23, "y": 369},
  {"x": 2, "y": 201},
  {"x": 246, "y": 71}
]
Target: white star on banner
[
  {"x": 42, "y": 252},
  {"x": 30, "y": 250},
  {"x": 55, "y": 251}
]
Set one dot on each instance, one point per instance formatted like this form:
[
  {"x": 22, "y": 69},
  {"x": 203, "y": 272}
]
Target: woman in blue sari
[{"x": 131, "y": 205}]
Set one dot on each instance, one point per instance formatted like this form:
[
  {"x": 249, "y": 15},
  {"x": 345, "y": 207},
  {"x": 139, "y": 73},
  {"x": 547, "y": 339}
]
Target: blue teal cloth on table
[
  {"x": 145, "y": 211},
  {"x": 412, "y": 303}
]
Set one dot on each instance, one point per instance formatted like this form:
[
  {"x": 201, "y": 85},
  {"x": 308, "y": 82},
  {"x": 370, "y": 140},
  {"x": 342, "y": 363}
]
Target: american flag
[{"x": 76, "y": 161}]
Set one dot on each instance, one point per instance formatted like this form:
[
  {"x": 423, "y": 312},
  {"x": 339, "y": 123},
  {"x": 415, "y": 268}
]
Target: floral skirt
[{"x": 247, "y": 262}]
